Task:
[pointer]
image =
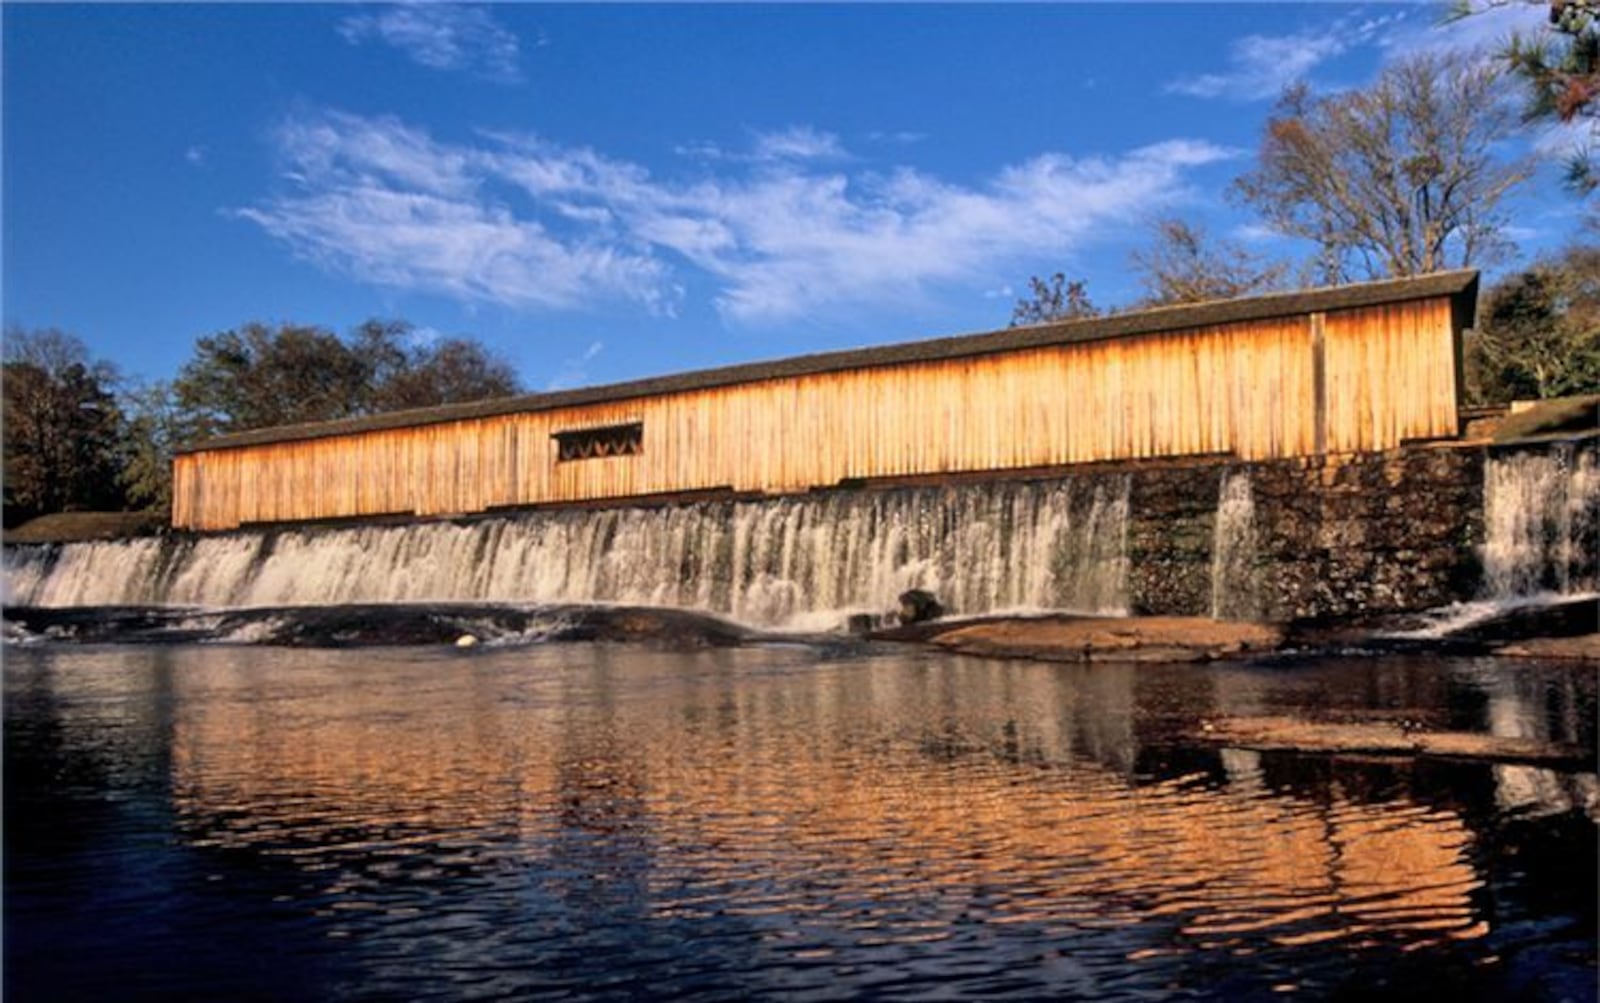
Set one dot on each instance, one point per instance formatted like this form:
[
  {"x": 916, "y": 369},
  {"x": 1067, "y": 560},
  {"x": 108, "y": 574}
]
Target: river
[{"x": 612, "y": 821}]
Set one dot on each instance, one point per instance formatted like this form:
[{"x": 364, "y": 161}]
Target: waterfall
[
  {"x": 1233, "y": 551},
  {"x": 1541, "y": 516},
  {"x": 799, "y": 561}
]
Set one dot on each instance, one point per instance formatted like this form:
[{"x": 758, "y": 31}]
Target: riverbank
[{"x": 81, "y": 527}]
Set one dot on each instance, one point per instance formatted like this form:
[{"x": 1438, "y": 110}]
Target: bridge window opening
[{"x": 594, "y": 443}]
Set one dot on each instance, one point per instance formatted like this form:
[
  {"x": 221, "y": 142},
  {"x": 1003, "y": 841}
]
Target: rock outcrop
[{"x": 1121, "y": 639}]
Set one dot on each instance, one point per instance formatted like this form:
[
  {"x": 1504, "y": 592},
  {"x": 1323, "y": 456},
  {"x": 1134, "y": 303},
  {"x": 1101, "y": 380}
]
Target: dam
[
  {"x": 1275, "y": 458},
  {"x": 1384, "y": 532}
]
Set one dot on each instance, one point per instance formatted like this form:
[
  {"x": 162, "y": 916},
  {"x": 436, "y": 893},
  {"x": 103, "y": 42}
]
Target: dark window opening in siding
[{"x": 593, "y": 443}]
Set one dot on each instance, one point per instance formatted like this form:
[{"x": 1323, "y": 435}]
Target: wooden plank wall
[
  {"x": 1251, "y": 389},
  {"x": 1391, "y": 376}
]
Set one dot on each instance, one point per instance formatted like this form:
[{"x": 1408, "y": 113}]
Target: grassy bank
[{"x": 69, "y": 527}]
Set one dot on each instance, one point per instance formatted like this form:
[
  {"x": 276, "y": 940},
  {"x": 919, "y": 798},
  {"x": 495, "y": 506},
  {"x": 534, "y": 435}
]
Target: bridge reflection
[{"x": 892, "y": 799}]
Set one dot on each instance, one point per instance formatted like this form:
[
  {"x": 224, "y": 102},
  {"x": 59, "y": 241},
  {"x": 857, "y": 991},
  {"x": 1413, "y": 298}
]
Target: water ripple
[{"x": 594, "y": 822}]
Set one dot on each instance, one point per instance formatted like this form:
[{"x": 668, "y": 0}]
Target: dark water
[{"x": 611, "y": 822}]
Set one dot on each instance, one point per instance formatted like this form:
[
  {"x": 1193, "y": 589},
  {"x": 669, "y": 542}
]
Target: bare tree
[
  {"x": 1054, "y": 300},
  {"x": 1183, "y": 265},
  {"x": 1403, "y": 178}
]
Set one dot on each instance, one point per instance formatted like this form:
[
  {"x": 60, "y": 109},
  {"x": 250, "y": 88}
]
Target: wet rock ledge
[
  {"x": 1095, "y": 639},
  {"x": 1567, "y": 630}
]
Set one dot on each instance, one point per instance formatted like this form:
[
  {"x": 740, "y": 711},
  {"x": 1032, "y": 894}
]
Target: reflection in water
[
  {"x": 617, "y": 821},
  {"x": 1529, "y": 789}
]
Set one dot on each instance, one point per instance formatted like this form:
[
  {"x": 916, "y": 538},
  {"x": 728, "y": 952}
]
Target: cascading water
[
  {"x": 1234, "y": 592},
  {"x": 1541, "y": 519},
  {"x": 979, "y": 548}
]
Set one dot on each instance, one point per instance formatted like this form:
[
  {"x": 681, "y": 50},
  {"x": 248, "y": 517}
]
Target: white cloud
[
  {"x": 526, "y": 222},
  {"x": 442, "y": 36},
  {"x": 386, "y": 204},
  {"x": 795, "y": 143},
  {"x": 195, "y": 155},
  {"x": 700, "y": 150},
  {"x": 798, "y": 143},
  {"x": 382, "y": 151},
  {"x": 1261, "y": 66},
  {"x": 1254, "y": 233}
]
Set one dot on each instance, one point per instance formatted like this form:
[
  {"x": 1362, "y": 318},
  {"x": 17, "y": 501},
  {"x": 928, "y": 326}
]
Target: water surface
[{"x": 603, "y": 821}]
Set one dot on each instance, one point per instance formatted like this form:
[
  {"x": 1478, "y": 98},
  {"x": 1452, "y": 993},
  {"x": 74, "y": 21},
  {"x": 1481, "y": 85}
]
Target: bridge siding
[{"x": 1387, "y": 373}]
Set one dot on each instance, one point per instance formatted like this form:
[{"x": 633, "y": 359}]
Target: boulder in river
[{"x": 919, "y": 606}]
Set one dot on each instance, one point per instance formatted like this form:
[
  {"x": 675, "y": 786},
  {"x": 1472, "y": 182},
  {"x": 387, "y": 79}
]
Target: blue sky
[{"x": 604, "y": 192}]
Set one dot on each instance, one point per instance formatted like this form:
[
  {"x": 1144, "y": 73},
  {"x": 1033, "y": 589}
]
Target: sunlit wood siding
[
  {"x": 1357, "y": 378},
  {"x": 1388, "y": 377}
]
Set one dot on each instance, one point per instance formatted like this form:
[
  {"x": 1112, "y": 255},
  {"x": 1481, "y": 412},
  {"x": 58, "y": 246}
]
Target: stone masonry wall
[{"x": 1338, "y": 535}]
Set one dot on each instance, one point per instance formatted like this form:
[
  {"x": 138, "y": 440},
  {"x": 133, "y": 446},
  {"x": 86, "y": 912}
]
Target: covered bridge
[{"x": 1345, "y": 369}]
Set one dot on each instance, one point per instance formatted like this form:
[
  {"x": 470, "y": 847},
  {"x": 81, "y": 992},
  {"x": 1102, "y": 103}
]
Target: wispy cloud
[
  {"x": 524, "y": 221},
  {"x": 901, "y": 137},
  {"x": 384, "y": 203},
  {"x": 574, "y": 371},
  {"x": 785, "y": 243},
  {"x": 1260, "y": 66},
  {"x": 801, "y": 142},
  {"x": 441, "y": 36}
]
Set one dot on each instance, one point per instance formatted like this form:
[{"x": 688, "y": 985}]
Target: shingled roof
[{"x": 1461, "y": 286}]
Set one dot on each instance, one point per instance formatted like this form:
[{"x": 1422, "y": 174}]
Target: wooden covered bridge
[{"x": 1347, "y": 369}]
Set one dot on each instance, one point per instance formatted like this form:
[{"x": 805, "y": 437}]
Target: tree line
[{"x": 78, "y": 438}]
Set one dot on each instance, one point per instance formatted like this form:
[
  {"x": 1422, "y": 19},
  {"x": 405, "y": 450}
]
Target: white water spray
[
  {"x": 1541, "y": 515},
  {"x": 979, "y": 548},
  {"x": 1234, "y": 589}
]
